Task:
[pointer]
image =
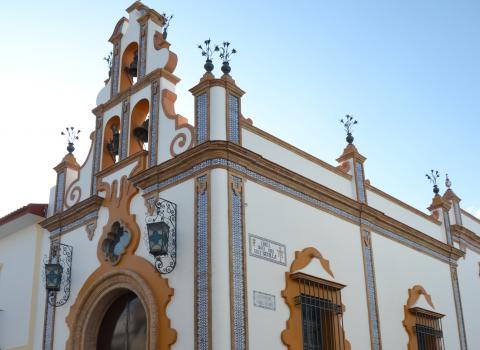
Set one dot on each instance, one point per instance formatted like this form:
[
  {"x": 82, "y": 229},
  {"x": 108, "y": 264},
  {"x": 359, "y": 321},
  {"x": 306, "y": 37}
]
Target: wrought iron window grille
[{"x": 428, "y": 329}]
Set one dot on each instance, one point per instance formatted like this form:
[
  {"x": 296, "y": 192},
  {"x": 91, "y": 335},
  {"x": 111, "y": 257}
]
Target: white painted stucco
[
  {"x": 298, "y": 164},
  {"x": 218, "y": 121}
]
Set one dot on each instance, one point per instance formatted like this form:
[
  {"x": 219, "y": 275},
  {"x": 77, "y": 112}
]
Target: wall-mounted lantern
[
  {"x": 162, "y": 235},
  {"x": 58, "y": 273}
]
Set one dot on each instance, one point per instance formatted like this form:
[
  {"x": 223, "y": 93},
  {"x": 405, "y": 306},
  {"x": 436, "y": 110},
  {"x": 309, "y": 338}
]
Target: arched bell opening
[
  {"x": 139, "y": 127},
  {"x": 129, "y": 67},
  {"x": 111, "y": 142},
  {"x": 124, "y": 325}
]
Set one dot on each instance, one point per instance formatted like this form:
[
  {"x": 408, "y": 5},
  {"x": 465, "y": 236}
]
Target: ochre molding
[
  {"x": 105, "y": 285},
  {"x": 220, "y": 149},
  {"x": 227, "y": 84},
  {"x": 351, "y": 152},
  {"x": 463, "y": 235},
  {"x": 68, "y": 162},
  {"x": 159, "y": 42},
  {"x": 139, "y": 157},
  {"x": 72, "y": 214},
  {"x": 410, "y": 320},
  {"x": 168, "y": 105},
  {"x": 248, "y": 126},
  {"x": 117, "y": 31},
  {"x": 292, "y": 335}
]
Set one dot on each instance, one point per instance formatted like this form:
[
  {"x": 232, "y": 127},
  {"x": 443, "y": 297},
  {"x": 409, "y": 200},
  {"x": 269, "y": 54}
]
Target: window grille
[
  {"x": 428, "y": 329},
  {"x": 321, "y": 308}
]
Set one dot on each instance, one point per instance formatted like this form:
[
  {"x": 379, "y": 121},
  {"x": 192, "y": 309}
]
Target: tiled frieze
[
  {"x": 371, "y": 290},
  {"x": 360, "y": 182},
  {"x": 142, "y": 52},
  {"x": 458, "y": 308},
  {"x": 153, "y": 126},
  {"x": 60, "y": 189},
  {"x": 115, "y": 70},
  {"x": 202, "y": 118},
  {"x": 125, "y": 129},
  {"x": 97, "y": 153},
  {"x": 233, "y": 119}
]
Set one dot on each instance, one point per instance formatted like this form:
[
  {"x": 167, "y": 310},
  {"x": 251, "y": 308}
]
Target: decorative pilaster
[
  {"x": 125, "y": 128},
  {"x": 233, "y": 127},
  {"x": 67, "y": 165},
  {"x": 352, "y": 161},
  {"x": 203, "y": 302},
  {"x": 202, "y": 113},
  {"x": 153, "y": 124},
  {"x": 238, "y": 295},
  {"x": 458, "y": 308},
  {"x": 371, "y": 287},
  {"x": 452, "y": 198},
  {"x": 142, "y": 50},
  {"x": 50, "y": 301},
  {"x": 97, "y": 153}
]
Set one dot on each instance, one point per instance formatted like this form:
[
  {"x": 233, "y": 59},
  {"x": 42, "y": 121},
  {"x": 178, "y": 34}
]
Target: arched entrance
[{"x": 124, "y": 326}]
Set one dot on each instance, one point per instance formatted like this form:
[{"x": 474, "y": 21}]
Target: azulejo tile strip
[
  {"x": 143, "y": 50},
  {"x": 233, "y": 133},
  {"x": 448, "y": 230},
  {"x": 202, "y": 124},
  {"x": 456, "y": 210},
  {"x": 360, "y": 185},
  {"x": 202, "y": 253},
  {"x": 59, "y": 194},
  {"x": 97, "y": 153},
  {"x": 48, "y": 326},
  {"x": 153, "y": 125},
  {"x": 371, "y": 289},
  {"x": 124, "y": 132},
  {"x": 237, "y": 264},
  {"x": 283, "y": 188},
  {"x": 115, "y": 70},
  {"x": 73, "y": 225},
  {"x": 458, "y": 308}
]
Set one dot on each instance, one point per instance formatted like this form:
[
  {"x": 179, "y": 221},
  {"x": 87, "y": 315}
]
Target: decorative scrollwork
[{"x": 60, "y": 254}]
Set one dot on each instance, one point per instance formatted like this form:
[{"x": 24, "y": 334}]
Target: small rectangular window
[
  {"x": 321, "y": 309},
  {"x": 428, "y": 329}
]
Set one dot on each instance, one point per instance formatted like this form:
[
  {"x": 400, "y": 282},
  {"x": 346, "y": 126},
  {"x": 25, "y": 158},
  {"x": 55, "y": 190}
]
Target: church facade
[{"x": 217, "y": 235}]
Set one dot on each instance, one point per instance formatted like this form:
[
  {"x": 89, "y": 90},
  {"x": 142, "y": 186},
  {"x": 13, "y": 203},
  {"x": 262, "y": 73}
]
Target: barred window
[
  {"x": 321, "y": 312},
  {"x": 428, "y": 329}
]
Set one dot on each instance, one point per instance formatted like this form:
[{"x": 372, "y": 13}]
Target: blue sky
[{"x": 409, "y": 71}]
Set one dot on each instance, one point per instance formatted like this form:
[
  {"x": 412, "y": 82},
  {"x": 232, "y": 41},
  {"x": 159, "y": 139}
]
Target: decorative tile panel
[
  {"x": 202, "y": 118},
  {"x": 202, "y": 259},
  {"x": 458, "y": 308},
  {"x": 266, "y": 249},
  {"x": 360, "y": 184},
  {"x": 59, "y": 192},
  {"x": 48, "y": 325},
  {"x": 92, "y": 216},
  {"x": 299, "y": 195},
  {"x": 264, "y": 300},
  {"x": 97, "y": 153},
  {"x": 448, "y": 230},
  {"x": 233, "y": 116},
  {"x": 125, "y": 129},
  {"x": 153, "y": 126},
  {"x": 371, "y": 289}
]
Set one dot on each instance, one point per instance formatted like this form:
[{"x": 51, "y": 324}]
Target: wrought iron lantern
[
  {"x": 158, "y": 233},
  {"x": 53, "y": 277},
  {"x": 162, "y": 235},
  {"x": 141, "y": 132},
  {"x": 58, "y": 273}
]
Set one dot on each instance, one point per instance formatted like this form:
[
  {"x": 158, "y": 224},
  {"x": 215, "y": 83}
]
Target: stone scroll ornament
[{"x": 162, "y": 235}]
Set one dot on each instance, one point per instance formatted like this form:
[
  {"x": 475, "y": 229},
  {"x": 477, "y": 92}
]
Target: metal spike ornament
[
  {"x": 208, "y": 53},
  {"x": 225, "y": 54},
  {"x": 348, "y": 123},
  {"x": 166, "y": 25},
  {"x": 72, "y": 135},
  {"x": 432, "y": 177}
]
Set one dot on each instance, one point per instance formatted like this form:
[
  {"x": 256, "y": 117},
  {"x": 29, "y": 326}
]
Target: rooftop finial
[
  {"x": 72, "y": 135},
  {"x": 225, "y": 54},
  {"x": 434, "y": 175},
  {"x": 448, "y": 183},
  {"x": 207, "y": 52},
  {"x": 348, "y": 123}
]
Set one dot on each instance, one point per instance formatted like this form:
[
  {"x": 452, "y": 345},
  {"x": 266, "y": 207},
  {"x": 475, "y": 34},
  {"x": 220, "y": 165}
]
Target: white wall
[
  {"x": 404, "y": 215},
  {"x": 399, "y": 268},
  {"x": 296, "y": 163},
  {"x": 469, "y": 280},
  {"x": 282, "y": 219},
  {"x": 471, "y": 224},
  {"x": 17, "y": 257}
]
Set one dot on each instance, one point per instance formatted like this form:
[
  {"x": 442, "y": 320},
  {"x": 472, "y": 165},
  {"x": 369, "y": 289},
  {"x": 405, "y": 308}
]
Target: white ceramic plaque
[
  {"x": 264, "y": 300},
  {"x": 268, "y": 250}
]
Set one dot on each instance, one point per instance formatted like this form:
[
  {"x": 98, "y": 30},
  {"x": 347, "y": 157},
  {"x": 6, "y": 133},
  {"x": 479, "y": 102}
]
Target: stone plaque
[
  {"x": 268, "y": 250},
  {"x": 264, "y": 300}
]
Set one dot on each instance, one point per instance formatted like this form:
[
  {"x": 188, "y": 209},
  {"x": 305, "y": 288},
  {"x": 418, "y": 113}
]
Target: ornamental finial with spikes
[
  {"x": 448, "y": 183},
  {"x": 434, "y": 175},
  {"x": 72, "y": 135}
]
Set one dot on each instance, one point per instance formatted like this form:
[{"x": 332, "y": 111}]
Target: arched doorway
[{"x": 124, "y": 326}]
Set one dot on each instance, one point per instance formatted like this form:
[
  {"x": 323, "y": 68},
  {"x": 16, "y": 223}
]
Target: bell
[
  {"x": 113, "y": 145},
  {"x": 141, "y": 132},
  {"x": 132, "y": 69}
]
